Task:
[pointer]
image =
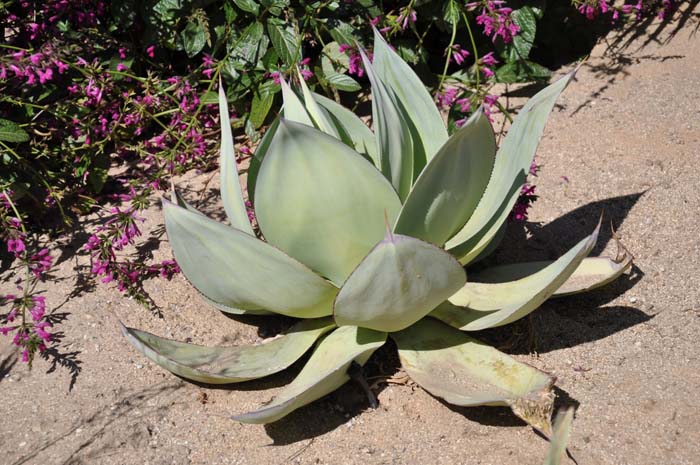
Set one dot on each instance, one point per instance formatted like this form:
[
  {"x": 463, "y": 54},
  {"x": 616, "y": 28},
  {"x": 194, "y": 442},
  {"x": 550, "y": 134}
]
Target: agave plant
[{"x": 367, "y": 235}]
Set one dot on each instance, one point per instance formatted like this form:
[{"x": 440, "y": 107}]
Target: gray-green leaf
[
  {"x": 238, "y": 270},
  {"x": 399, "y": 282},
  {"x": 410, "y": 91},
  {"x": 231, "y": 192},
  {"x": 449, "y": 364},
  {"x": 325, "y": 372},
  {"x": 485, "y": 305},
  {"x": 509, "y": 174},
  {"x": 222, "y": 365},
  {"x": 320, "y": 201},
  {"x": 448, "y": 190}
]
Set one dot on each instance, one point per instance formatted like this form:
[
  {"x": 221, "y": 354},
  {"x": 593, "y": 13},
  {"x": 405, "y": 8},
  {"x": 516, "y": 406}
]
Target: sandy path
[{"x": 627, "y": 136}]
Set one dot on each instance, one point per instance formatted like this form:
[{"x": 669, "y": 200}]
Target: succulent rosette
[{"x": 367, "y": 235}]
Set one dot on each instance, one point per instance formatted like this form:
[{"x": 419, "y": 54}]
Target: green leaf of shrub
[
  {"x": 249, "y": 6},
  {"x": 194, "y": 37},
  {"x": 11, "y": 132},
  {"x": 522, "y": 42},
  {"x": 284, "y": 40}
]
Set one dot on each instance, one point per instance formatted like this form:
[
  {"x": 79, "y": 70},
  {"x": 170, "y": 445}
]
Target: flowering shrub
[
  {"x": 102, "y": 102},
  {"x": 26, "y": 321}
]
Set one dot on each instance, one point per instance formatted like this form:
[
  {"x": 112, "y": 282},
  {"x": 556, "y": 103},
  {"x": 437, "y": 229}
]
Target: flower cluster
[
  {"x": 111, "y": 238},
  {"x": 591, "y": 9},
  {"x": 497, "y": 22},
  {"x": 26, "y": 321}
]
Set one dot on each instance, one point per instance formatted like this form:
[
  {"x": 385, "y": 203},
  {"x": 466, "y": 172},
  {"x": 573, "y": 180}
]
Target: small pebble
[{"x": 633, "y": 300}]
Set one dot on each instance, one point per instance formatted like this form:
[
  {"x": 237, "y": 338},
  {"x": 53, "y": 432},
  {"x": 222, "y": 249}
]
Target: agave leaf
[
  {"x": 350, "y": 128},
  {"x": 221, "y": 365},
  {"x": 453, "y": 366},
  {"x": 422, "y": 114},
  {"x": 509, "y": 173},
  {"x": 233, "y": 310},
  {"x": 320, "y": 201},
  {"x": 325, "y": 372},
  {"x": 393, "y": 134},
  {"x": 448, "y": 190},
  {"x": 560, "y": 437},
  {"x": 399, "y": 282},
  {"x": 231, "y": 192},
  {"x": 259, "y": 156},
  {"x": 592, "y": 273},
  {"x": 479, "y": 306},
  {"x": 318, "y": 115},
  {"x": 294, "y": 109},
  {"x": 238, "y": 270}
]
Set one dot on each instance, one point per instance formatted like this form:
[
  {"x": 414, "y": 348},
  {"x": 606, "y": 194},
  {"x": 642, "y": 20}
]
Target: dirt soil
[{"x": 625, "y": 138}]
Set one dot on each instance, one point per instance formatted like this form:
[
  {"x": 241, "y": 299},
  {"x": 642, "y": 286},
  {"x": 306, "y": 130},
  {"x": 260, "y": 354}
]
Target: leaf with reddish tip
[
  {"x": 399, "y": 282},
  {"x": 325, "y": 372},
  {"x": 484, "y": 305},
  {"x": 453, "y": 366},
  {"x": 221, "y": 365}
]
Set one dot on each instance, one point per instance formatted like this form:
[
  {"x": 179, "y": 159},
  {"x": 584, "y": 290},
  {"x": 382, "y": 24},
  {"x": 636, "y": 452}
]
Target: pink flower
[
  {"x": 121, "y": 67},
  {"x": 458, "y": 55},
  {"x": 489, "y": 59},
  {"x": 35, "y": 58},
  {"x": 276, "y": 76},
  {"x": 5, "y": 330},
  {"x": 150, "y": 51},
  {"x": 45, "y": 76},
  {"x": 447, "y": 97},
  {"x": 15, "y": 246},
  {"x": 122, "y": 53},
  {"x": 62, "y": 67},
  {"x": 464, "y": 105}
]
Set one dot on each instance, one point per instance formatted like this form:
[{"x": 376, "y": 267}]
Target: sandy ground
[{"x": 627, "y": 137}]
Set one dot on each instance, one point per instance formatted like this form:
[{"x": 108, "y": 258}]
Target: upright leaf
[
  {"x": 258, "y": 157},
  {"x": 510, "y": 170},
  {"x": 351, "y": 129},
  {"x": 413, "y": 97},
  {"x": 393, "y": 134},
  {"x": 560, "y": 437},
  {"x": 448, "y": 190},
  {"x": 320, "y": 201},
  {"x": 231, "y": 193},
  {"x": 294, "y": 109},
  {"x": 319, "y": 116}
]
